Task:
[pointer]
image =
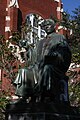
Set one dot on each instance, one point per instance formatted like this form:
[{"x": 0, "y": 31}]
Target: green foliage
[
  {"x": 75, "y": 54},
  {"x": 75, "y": 48},
  {"x": 74, "y": 93},
  {"x": 3, "y": 100},
  {"x": 6, "y": 58},
  {"x": 16, "y": 36},
  {"x": 74, "y": 41},
  {"x": 75, "y": 37},
  {"x": 74, "y": 86},
  {"x": 76, "y": 22},
  {"x": 65, "y": 22}
]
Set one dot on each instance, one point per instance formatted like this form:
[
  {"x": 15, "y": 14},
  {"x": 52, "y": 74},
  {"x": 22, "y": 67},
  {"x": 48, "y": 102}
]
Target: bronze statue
[
  {"x": 26, "y": 78},
  {"x": 53, "y": 60}
]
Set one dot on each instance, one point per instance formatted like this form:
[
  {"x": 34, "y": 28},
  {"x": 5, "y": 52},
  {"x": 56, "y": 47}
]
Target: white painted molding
[
  {"x": 57, "y": 0},
  {"x": 7, "y": 29},
  {"x": 58, "y": 9},
  {"x": 13, "y": 3},
  {"x": 71, "y": 31},
  {"x": 60, "y": 27},
  {"x": 6, "y": 9},
  {"x": 56, "y": 31},
  {"x": 7, "y": 18},
  {"x": 65, "y": 28}
]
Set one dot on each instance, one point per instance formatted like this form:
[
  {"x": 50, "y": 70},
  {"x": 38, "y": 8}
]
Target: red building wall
[
  {"x": 13, "y": 16},
  {"x": 17, "y": 15},
  {"x": 45, "y": 8},
  {"x": 2, "y": 16}
]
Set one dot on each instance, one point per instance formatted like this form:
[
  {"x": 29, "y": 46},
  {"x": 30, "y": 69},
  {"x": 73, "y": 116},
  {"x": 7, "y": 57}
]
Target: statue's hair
[{"x": 52, "y": 22}]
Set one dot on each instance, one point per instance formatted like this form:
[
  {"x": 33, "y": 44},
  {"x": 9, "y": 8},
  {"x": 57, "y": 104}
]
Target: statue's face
[{"x": 48, "y": 27}]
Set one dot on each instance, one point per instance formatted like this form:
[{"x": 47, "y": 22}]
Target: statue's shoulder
[{"x": 58, "y": 35}]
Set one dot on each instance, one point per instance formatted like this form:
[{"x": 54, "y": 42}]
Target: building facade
[{"x": 13, "y": 13}]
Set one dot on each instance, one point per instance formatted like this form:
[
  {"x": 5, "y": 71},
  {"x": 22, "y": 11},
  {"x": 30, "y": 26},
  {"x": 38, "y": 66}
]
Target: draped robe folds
[
  {"x": 54, "y": 57},
  {"x": 25, "y": 81}
]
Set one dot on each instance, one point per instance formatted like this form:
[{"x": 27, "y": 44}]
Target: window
[{"x": 33, "y": 29}]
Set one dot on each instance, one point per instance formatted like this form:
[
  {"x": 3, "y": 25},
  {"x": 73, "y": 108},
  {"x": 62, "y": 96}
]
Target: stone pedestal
[{"x": 41, "y": 111}]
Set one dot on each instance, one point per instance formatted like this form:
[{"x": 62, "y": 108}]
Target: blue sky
[{"x": 70, "y": 5}]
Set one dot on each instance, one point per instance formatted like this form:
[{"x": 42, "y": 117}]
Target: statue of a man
[{"x": 54, "y": 58}]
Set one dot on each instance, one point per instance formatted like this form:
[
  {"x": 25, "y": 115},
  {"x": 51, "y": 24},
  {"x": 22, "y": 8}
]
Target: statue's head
[{"x": 48, "y": 25}]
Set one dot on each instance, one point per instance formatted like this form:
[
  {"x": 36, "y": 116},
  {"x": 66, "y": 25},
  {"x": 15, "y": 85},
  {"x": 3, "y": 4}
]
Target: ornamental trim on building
[
  {"x": 57, "y": 0},
  {"x": 13, "y": 3}
]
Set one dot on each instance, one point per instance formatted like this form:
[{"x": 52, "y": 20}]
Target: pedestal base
[{"x": 41, "y": 111}]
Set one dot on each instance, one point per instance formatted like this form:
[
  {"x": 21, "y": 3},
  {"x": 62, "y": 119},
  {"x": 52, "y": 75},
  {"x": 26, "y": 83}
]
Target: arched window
[
  {"x": 32, "y": 31},
  {"x": 31, "y": 34}
]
